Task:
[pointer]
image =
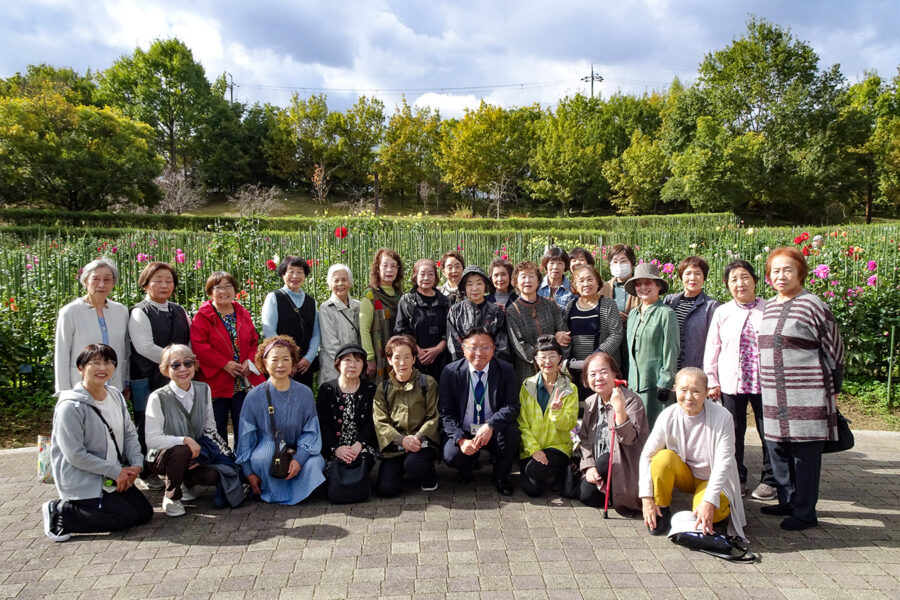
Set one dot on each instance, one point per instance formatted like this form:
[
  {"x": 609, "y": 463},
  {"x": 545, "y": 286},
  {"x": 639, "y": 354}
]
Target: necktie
[{"x": 479, "y": 398}]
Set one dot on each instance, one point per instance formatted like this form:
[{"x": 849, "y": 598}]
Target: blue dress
[{"x": 296, "y": 418}]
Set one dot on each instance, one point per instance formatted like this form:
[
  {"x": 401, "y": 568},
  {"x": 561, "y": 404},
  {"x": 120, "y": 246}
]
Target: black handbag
[
  {"x": 718, "y": 545},
  {"x": 348, "y": 483},
  {"x": 844, "y": 439},
  {"x": 284, "y": 454}
]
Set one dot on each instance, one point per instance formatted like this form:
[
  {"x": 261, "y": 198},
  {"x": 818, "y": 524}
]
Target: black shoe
[
  {"x": 777, "y": 510},
  {"x": 503, "y": 487},
  {"x": 795, "y": 524},
  {"x": 663, "y": 523},
  {"x": 464, "y": 478}
]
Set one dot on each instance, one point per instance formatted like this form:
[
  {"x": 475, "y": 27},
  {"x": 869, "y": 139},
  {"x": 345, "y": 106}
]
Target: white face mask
[{"x": 620, "y": 270}]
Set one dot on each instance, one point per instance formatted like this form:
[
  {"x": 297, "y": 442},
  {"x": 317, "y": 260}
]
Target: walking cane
[{"x": 612, "y": 446}]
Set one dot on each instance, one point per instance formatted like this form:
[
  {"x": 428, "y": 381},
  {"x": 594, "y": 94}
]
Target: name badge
[{"x": 474, "y": 427}]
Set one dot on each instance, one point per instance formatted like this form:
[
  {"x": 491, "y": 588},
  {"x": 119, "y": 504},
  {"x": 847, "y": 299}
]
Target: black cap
[{"x": 351, "y": 348}]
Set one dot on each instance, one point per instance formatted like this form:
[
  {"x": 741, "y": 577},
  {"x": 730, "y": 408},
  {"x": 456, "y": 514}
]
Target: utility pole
[
  {"x": 592, "y": 78},
  {"x": 230, "y": 87}
]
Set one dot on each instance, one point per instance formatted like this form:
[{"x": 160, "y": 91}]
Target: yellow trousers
[{"x": 669, "y": 471}]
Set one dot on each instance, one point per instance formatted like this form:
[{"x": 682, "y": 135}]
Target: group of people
[{"x": 519, "y": 363}]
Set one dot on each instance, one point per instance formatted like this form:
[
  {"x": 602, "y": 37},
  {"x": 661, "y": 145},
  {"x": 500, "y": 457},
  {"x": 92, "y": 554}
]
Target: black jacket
[{"x": 502, "y": 392}]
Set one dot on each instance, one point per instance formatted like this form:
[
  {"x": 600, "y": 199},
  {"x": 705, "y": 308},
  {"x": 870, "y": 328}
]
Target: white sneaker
[
  {"x": 188, "y": 494},
  {"x": 430, "y": 487},
  {"x": 172, "y": 508},
  {"x": 151, "y": 482},
  {"x": 49, "y": 529},
  {"x": 765, "y": 492}
]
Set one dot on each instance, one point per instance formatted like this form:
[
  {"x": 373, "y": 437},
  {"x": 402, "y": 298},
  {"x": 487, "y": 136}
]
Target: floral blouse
[{"x": 749, "y": 356}]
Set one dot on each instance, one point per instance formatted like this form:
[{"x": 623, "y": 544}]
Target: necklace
[
  {"x": 285, "y": 395},
  {"x": 586, "y": 305}
]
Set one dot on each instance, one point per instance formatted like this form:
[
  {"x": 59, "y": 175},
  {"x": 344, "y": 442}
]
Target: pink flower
[
  {"x": 822, "y": 271},
  {"x": 871, "y": 265},
  {"x": 829, "y": 294},
  {"x": 505, "y": 257},
  {"x": 115, "y": 249},
  {"x": 668, "y": 268},
  {"x": 198, "y": 265},
  {"x": 153, "y": 242},
  {"x": 29, "y": 266},
  {"x": 142, "y": 257},
  {"x": 179, "y": 256},
  {"x": 872, "y": 281}
]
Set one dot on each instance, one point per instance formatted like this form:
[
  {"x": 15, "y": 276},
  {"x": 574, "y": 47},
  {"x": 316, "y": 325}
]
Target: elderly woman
[
  {"x": 801, "y": 360},
  {"x": 338, "y": 319},
  {"x": 154, "y": 324},
  {"x": 591, "y": 323},
  {"x": 731, "y": 362},
  {"x": 180, "y": 432},
  {"x": 291, "y": 311},
  {"x": 529, "y": 317},
  {"x": 549, "y": 410},
  {"x": 452, "y": 265},
  {"x": 691, "y": 448},
  {"x": 406, "y": 422},
  {"x": 92, "y": 319},
  {"x": 622, "y": 262},
  {"x": 422, "y": 313},
  {"x": 555, "y": 286},
  {"x": 94, "y": 454},
  {"x": 579, "y": 256},
  {"x": 475, "y": 311},
  {"x": 693, "y": 309},
  {"x": 378, "y": 310},
  {"x": 501, "y": 272},
  {"x": 345, "y": 419},
  {"x": 620, "y": 408},
  {"x": 280, "y": 412},
  {"x": 652, "y": 339},
  {"x": 225, "y": 340}
]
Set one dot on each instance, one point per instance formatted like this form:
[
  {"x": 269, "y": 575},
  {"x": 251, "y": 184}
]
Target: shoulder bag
[{"x": 284, "y": 454}]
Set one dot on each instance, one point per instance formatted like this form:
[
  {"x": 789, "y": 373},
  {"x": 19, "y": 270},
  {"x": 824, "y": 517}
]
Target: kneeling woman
[
  {"x": 406, "y": 421},
  {"x": 618, "y": 407},
  {"x": 279, "y": 413},
  {"x": 95, "y": 455},
  {"x": 691, "y": 448},
  {"x": 348, "y": 432},
  {"x": 549, "y": 402},
  {"x": 181, "y": 429}
]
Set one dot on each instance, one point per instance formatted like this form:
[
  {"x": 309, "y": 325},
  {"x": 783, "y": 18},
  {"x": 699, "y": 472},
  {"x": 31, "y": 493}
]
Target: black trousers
[
  {"x": 535, "y": 475},
  {"x": 589, "y": 493},
  {"x": 797, "y": 467},
  {"x": 418, "y": 465},
  {"x": 503, "y": 448},
  {"x": 737, "y": 406},
  {"x": 111, "y": 512},
  {"x": 174, "y": 462},
  {"x": 222, "y": 408}
]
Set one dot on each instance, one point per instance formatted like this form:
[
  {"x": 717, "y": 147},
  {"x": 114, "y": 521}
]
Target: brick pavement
[{"x": 458, "y": 543}]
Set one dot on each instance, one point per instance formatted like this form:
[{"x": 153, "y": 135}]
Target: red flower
[
  {"x": 309, "y": 262},
  {"x": 801, "y": 238},
  {"x": 806, "y": 250},
  {"x": 504, "y": 257},
  {"x": 271, "y": 264},
  {"x": 340, "y": 232}
]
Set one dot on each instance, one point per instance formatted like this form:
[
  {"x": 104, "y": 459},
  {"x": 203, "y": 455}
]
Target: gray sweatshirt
[{"x": 79, "y": 443}]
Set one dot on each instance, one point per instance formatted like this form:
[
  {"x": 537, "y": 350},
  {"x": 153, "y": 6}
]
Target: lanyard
[{"x": 478, "y": 402}]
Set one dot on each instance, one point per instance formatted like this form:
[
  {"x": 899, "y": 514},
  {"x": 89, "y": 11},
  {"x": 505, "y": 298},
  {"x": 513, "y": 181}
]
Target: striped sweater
[{"x": 801, "y": 359}]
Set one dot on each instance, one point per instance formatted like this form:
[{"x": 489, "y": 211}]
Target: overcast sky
[{"x": 448, "y": 55}]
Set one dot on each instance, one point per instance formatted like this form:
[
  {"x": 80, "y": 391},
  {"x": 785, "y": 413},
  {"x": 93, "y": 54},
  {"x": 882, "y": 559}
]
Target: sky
[{"x": 447, "y": 55}]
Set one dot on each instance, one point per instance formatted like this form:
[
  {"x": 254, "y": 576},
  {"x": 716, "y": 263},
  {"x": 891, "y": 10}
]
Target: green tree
[
  {"x": 46, "y": 79},
  {"x": 488, "y": 150},
  {"x": 407, "y": 162},
  {"x": 566, "y": 164},
  {"x": 767, "y": 84},
  {"x": 167, "y": 89},
  {"x": 54, "y": 153},
  {"x": 638, "y": 176},
  {"x": 360, "y": 134}
]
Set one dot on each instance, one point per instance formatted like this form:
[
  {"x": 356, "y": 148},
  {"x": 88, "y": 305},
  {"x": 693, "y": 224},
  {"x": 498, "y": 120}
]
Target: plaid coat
[{"x": 801, "y": 361}]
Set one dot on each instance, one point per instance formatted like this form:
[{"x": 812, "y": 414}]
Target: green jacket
[
  {"x": 550, "y": 428},
  {"x": 653, "y": 347},
  {"x": 405, "y": 411}
]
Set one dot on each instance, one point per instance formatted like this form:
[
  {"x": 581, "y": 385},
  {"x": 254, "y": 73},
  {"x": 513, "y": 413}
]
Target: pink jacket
[{"x": 721, "y": 360}]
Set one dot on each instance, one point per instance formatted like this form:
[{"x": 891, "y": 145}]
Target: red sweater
[{"x": 212, "y": 345}]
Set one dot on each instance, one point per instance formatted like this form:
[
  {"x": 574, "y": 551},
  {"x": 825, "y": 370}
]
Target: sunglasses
[{"x": 187, "y": 364}]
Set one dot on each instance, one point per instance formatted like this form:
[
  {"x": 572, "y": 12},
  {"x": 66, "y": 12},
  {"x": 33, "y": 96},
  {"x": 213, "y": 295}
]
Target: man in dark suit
[{"x": 479, "y": 403}]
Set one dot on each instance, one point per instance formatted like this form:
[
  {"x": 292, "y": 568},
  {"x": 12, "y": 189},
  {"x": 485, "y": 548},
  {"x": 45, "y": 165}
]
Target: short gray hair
[
  {"x": 334, "y": 269},
  {"x": 693, "y": 372},
  {"x": 96, "y": 264},
  {"x": 170, "y": 352}
]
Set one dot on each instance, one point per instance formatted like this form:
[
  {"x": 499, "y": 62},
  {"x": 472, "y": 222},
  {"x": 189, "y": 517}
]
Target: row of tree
[{"x": 763, "y": 129}]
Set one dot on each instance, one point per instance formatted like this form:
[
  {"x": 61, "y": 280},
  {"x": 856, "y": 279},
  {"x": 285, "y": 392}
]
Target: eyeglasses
[
  {"x": 477, "y": 349},
  {"x": 101, "y": 363},
  {"x": 223, "y": 288},
  {"x": 547, "y": 358},
  {"x": 187, "y": 364}
]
